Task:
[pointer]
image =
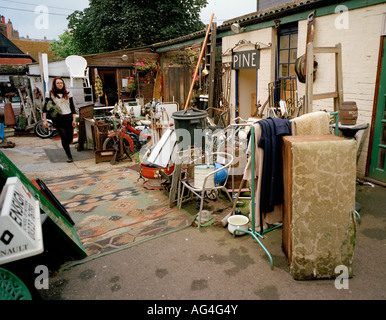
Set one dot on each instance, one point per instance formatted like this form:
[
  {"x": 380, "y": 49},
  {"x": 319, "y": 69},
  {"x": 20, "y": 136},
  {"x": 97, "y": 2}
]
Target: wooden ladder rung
[
  {"x": 319, "y": 96},
  {"x": 326, "y": 49}
]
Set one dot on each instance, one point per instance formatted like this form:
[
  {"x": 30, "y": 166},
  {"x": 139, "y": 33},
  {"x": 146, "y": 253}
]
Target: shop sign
[{"x": 246, "y": 59}]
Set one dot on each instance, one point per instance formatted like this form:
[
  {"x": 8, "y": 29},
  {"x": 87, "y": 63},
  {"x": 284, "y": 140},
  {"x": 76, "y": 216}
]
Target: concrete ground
[{"x": 206, "y": 263}]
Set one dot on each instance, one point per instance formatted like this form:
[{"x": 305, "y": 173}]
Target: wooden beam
[
  {"x": 319, "y": 96},
  {"x": 309, "y": 77},
  {"x": 326, "y": 50},
  {"x": 339, "y": 77}
]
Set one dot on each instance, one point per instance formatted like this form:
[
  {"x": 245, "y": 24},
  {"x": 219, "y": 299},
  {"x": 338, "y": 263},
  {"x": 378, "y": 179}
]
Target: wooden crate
[{"x": 104, "y": 155}]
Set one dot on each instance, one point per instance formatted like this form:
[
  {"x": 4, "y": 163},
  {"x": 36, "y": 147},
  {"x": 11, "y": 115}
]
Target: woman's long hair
[{"x": 55, "y": 91}]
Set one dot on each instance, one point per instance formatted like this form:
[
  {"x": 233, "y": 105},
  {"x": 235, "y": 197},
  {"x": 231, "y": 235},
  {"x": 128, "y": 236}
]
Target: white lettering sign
[{"x": 246, "y": 59}]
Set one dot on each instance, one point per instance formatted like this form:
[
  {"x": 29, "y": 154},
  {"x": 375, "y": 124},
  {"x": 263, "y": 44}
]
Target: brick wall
[{"x": 14, "y": 61}]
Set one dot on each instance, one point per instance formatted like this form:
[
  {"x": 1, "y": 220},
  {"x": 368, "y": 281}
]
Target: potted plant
[
  {"x": 131, "y": 85},
  {"x": 144, "y": 66}
]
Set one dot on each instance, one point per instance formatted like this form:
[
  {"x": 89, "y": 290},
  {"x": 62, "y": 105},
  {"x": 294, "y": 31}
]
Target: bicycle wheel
[
  {"x": 41, "y": 131},
  {"x": 112, "y": 143},
  {"x": 109, "y": 143},
  {"x": 126, "y": 147}
]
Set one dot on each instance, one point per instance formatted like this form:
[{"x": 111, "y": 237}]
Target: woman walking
[{"x": 62, "y": 101}]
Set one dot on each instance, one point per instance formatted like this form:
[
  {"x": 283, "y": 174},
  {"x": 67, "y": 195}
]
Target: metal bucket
[{"x": 200, "y": 173}]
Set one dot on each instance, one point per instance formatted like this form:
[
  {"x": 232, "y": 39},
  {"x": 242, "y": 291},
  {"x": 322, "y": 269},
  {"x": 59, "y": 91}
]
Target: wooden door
[{"x": 177, "y": 84}]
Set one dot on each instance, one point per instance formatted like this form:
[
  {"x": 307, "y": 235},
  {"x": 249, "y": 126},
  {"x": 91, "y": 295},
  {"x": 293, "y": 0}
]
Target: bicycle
[
  {"x": 41, "y": 131},
  {"x": 124, "y": 140}
]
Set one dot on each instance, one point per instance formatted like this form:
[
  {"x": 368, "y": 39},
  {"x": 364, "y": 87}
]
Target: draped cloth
[
  {"x": 98, "y": 86},
  {"x": 268, "y": 175}
]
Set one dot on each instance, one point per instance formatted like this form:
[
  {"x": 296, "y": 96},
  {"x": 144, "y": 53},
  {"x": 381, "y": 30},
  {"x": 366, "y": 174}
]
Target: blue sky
[{"x": 37, "y": 25}]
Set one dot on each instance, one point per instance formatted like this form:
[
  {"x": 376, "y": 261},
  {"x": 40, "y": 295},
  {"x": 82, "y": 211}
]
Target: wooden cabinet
[{"x": 85, "y": 112}]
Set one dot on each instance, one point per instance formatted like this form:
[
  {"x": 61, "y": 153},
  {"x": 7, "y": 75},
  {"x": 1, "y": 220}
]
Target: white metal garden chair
[{"x": 207, "y": 184}]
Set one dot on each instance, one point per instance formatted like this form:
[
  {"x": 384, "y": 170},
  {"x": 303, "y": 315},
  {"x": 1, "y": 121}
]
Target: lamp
[
  {"x": 236, "y": 28},
  {"x": 205, "y": 72}
]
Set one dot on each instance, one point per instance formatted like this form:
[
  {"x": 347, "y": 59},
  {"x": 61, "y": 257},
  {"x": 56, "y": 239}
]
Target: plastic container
[
  {"x": 220, "y": 176},
  {"x": 12, "y": 288},
  {"x": 193, "y": 123},
  {"x": 153, "y": 173}
]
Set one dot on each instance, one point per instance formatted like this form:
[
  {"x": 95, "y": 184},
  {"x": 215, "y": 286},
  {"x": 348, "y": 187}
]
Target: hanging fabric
[{"x": 98, "y": 85}]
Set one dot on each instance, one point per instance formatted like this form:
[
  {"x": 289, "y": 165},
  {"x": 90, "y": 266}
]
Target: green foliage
[
  {"x": 108, "y": 25},
  {"x": 65, "y": 46}
]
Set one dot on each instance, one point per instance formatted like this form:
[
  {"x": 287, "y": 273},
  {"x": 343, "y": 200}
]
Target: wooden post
[
  {"x": 309, "y": 77},
  {"x": 339, "y": 77},
  {"x": 199, "y": 62}
]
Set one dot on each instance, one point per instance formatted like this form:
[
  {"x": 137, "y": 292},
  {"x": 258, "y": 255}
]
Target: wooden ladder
[
  {"x": 199, "y": 61},
  {"x": 210, "y": 63},
  {"x": 337, "y": 95}
]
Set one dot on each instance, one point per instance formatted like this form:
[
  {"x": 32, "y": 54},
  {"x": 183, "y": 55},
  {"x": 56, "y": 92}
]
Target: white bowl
[{"x": 238, "y": 222}]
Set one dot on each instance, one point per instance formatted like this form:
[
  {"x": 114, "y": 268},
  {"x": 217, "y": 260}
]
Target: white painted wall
[
  {"x": 57, "y": 68},
  {"x": 247, "y": 78},
  {"x": 360, "y": 39},
  {"x": 360, "y": 48}
]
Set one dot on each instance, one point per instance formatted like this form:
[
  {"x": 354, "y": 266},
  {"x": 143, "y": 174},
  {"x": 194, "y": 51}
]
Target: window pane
[
  {"x": 293, "y": 55},
  {"x": 283, "y": 70},
  {"x": 294, "y": 40},
  {"x": 381, "y": 159},
  {"x": 284, "y": 42},
  {"x": 383, "y": 134},
  {"x": 283, "y": 56}
]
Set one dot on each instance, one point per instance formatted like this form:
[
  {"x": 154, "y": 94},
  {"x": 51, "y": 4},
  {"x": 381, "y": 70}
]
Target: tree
[
  {"x": 115, "y": 24},
  {"x": 65, "y": 46}
]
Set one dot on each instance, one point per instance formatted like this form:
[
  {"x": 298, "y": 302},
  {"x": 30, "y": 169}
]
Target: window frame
[{"x": 281, "y": 32}]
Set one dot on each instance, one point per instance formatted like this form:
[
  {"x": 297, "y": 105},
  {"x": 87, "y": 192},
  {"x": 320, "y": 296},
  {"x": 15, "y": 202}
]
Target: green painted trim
[
  {"x": 180, "y": 44},
  {"x": 253, "y": 26},
  {"x": 375, "y": 172}
]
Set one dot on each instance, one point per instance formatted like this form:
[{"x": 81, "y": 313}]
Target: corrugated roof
[
  {"x": 279, "y": 10},
  {"x": 255, "y": 17}
]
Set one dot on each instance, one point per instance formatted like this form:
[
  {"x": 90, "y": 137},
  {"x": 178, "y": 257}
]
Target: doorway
[
  {"x": 246, "y": 97},
  {"x": 110, "y": 87}
]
